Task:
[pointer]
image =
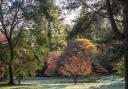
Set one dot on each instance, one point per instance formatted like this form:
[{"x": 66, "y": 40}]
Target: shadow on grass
[
  {"x": 5, "y": 85},
  {"x": 55, "y": 80},
  {"x": 31, "y": 86}
]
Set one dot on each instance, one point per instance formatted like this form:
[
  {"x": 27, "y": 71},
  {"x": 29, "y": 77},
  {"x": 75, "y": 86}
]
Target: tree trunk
[
  {"x": 11, "y": 80},
  {"x": 126, "y": 62},
  {"x": 19, "y": 77},
  {"x": 125, "y": 17},
  {"x": 75, "y": 79},
  {"x": 49, "y": 36},
  {"x": 119, "y": 35}
]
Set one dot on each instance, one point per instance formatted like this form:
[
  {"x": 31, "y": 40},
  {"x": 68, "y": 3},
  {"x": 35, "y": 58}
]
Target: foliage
[
  {"x": 15, "y": 16},
  {"x": 75, "y": 66},
  {"x": 50, "y": 33},
  {"x": 52, "y": 63},
  {"x": 120, "y": 68},
  {"x": 80, "y": 47},
  {"x": 1, "y": 69},
  {"x": 28, "y": 59},
  {"x": 92, "y": 26}
]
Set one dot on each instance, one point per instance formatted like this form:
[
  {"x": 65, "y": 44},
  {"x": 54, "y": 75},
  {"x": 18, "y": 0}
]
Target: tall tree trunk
[
  {"x": 123, "y": 36},
  {"x": 125, "y": 17},
  {"x": 11, "y": 80}
]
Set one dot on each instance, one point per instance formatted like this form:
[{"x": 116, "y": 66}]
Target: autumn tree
[
  {"x": 80, "y": 53},
  {"x": 14, "y": 17},
  {"x": 76, "y": 66}
]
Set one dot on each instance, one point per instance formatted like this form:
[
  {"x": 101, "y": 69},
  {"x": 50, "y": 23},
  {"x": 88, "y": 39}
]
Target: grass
[{"x": 104, "y": 82}]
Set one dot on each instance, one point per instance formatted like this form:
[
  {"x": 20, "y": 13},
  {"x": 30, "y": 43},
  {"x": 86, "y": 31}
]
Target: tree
[
  {"x": 76, "y": 57},
  {"x": 124, "y": 36},
  {"x": 26, "y": 61},
  {"x": 50, "y": 23},
  {"x": 14, "y": 16},
  {"x": 75, "y": 66}
]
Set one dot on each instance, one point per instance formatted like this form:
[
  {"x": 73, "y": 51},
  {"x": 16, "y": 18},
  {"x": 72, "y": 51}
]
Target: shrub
[
  {"x": 52, "y": 63},
  {"x": 119, "y": 67}
]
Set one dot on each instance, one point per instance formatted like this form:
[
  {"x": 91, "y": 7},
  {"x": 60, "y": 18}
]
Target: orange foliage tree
[{"x": 75, "y": 66}]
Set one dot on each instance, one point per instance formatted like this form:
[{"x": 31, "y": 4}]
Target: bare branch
[
  {"x": 13, "y": 23},
  {"x": 98, "y": 12},
  {"x": 2, "y": 23}
]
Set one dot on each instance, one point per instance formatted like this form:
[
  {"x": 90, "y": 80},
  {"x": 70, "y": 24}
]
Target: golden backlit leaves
[
  {"x": 80, "y": 47},
  {"x": 85, "y": 43}
]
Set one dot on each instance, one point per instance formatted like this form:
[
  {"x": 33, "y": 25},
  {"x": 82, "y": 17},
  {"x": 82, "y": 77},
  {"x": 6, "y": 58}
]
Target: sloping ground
[{"x": 106, "y": 82}]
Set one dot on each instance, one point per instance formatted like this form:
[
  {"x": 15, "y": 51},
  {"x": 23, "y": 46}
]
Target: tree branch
[
  {"x": 112, "y": 21},
  {"x": 13, "y": 23},
  {"x": 98, "y": 11},
  {"x": 4, "y": 30},
  {"x": 19, "y": 34}
]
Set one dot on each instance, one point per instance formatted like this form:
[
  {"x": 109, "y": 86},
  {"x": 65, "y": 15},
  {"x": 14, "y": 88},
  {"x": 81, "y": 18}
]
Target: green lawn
[{"x": 106, "y": 82}]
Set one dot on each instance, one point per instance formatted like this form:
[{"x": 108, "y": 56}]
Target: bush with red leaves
[
  {"x": 75, "y": 66},
  {"x": 52, "y": 63}
]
